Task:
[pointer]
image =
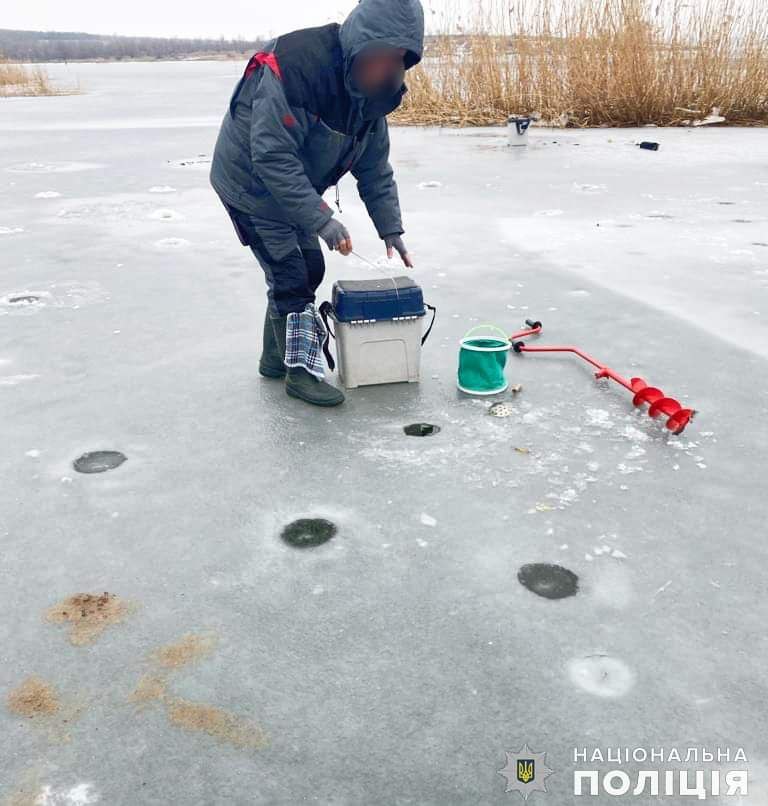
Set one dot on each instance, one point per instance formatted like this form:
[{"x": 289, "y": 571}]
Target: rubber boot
[
  {"x": 271, "y": 364},
  {"x": 302, "y": 384}
]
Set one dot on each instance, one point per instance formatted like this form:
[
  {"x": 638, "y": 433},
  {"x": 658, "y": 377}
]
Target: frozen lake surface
[{"x": 399, "y": 661}]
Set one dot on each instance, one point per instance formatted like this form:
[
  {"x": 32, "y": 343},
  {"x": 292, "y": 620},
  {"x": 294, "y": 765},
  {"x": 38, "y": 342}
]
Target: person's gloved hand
[
  {"x": 336, "y": 235},
  {"x": 396, "y": 242}
]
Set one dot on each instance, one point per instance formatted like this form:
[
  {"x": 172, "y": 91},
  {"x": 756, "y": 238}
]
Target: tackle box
[
  {"x": 381, "y": 298},
  {"x": 378, "y": 327}
]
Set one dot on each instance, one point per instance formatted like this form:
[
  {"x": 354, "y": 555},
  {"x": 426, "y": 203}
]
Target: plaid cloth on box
[{"x": 305, "y": 335}]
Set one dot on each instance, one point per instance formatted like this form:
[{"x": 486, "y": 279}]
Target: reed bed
[
  {"x": 17, "y": 79},
  {"x": 595, "y": 63}
]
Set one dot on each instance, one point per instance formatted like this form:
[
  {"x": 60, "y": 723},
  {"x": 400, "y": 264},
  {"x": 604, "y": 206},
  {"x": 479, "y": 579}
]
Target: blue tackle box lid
[{"x": 381, "y": 298}]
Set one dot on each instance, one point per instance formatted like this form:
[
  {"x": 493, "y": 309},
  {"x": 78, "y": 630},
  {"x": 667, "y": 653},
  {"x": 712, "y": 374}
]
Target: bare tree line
[{"x": 56, "y": 46}]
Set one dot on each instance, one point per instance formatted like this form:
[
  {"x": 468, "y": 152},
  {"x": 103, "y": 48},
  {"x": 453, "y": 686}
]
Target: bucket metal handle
[{"x": 490, "y": 327}]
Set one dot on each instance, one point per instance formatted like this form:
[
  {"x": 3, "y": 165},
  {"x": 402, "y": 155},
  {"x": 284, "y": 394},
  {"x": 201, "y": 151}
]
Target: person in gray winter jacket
[{"x": 308, "y": 109}]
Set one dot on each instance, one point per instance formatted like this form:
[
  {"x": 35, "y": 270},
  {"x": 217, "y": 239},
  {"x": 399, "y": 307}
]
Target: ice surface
[{"x": 385, "y": 668}]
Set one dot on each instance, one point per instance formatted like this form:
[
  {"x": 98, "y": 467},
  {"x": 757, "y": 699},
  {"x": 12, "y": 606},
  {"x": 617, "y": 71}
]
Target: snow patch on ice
[
  {"x": 601, "y": 675},
  {"x": 78, "y": 795},
  {"x": 634, "y": 434},
  {"x": 599, "y": 418},
  {"x": 625, "y": 469},
  {"x": 52, "y": 167},
  {"x": 47, "y": 194},
  {"x": 15, "y": 380},
  {"x": 162, "y": 189}
]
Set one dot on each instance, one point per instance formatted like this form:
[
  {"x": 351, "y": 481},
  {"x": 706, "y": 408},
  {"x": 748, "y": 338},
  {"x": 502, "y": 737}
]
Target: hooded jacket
[{"x": 296, "y": 124}]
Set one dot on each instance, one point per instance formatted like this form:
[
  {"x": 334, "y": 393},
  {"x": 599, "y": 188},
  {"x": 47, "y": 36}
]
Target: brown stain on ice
[
  {"x": 220, "y": 724},
  {"x": 188, "y": 649},
  {"x": 89, "y": 614},
  {"x": 193, "y": 716},
  {"x": 150, "y": 688},
  {"x": 38, "y": 701},
  {"x": 33, "y": 698}
]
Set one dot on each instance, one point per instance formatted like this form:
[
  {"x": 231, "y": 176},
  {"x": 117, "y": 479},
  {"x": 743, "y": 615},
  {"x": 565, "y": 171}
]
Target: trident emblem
[{"x": 525, "y": 770}]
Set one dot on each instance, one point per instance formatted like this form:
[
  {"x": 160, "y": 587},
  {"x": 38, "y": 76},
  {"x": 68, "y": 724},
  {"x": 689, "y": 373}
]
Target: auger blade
[
  {"x": 658, "y": 403},
  {"x": 648, "y": 395},
  {"x": 665, "y": 405},
  {"x": 678, "y": 421}
]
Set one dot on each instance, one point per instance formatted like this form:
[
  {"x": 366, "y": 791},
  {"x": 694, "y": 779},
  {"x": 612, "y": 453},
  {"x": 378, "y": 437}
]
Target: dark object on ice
[
  {"x": 25, "y": 299},
  {"x": 549, "y": 581},
  {"x": 421, "y": 430},
  {"x": 648, "y": 146},
  {"x": 98, "y": 461},
  {"x": 308, "y": 532},
  {"x": 658, "y": 403}
]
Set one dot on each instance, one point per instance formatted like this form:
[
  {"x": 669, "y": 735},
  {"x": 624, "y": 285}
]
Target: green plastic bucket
[{"x": 482, "y": 362}]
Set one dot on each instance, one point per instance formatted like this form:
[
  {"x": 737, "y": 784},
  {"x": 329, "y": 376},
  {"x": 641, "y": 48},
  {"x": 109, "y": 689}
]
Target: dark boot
[
  {"x": 302, "y": 384},
  {"x": 271, "y": 364}
]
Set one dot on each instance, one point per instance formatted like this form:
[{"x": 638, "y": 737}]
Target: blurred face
[{"x": 379, "y": 70}]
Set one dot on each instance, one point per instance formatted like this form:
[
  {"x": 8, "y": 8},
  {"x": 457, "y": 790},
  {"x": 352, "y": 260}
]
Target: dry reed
[
  {"x": 17, "y": 79},
  {"x": 595, "y": 63}
]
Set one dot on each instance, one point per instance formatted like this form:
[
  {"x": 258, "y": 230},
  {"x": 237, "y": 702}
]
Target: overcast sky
[
  {"x": 230, "y": 18},
  {"x": 249, "y": 19}
]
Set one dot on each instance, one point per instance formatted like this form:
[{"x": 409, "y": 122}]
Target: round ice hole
[
  {"x": 421, "y": 429},
  {"x": 307, "y": 532},
  {"x": 549, "y": 581},
  {"x": 98, "y": 461},
  {"x": 601, "y": 675},
  {"x": 23, "y": 299}
]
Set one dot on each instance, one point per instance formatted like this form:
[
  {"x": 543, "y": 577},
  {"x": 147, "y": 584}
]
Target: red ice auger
[{"x": 658, "y": 403}]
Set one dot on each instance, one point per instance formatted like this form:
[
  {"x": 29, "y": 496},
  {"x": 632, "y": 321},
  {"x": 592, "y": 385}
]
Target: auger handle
[{"x": 535, "y": 325}]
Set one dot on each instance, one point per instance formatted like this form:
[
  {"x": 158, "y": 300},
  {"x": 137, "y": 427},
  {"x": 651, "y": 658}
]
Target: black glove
[
  {"x": 396, "y": 242},
  {"x": 336, "y": 235}
]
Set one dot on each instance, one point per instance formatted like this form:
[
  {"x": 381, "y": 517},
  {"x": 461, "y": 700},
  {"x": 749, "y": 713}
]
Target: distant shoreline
[{"x": 204, "y": 57}]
